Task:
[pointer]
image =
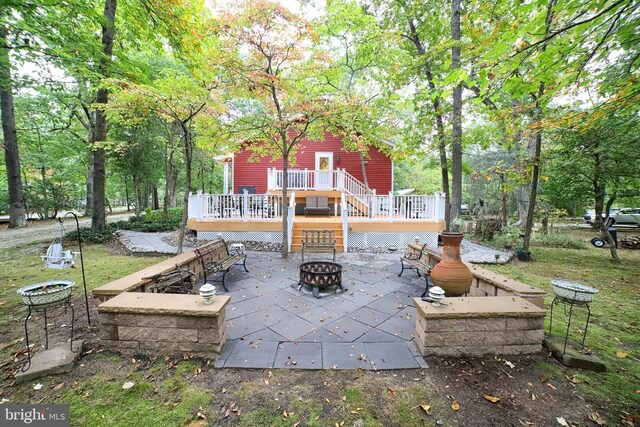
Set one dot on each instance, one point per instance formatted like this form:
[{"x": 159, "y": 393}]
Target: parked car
[
  {"x": 464, "y": 209},
  {"x": 591, "y": 213},
  {"x": 626, "y": 216}
]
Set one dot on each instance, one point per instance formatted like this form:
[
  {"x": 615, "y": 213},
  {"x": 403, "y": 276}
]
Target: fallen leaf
[
  {"x": 455, "y": 406},
  {"x": 509, "y": 364},
  {"x": 572, "y": 380},
  {"x": 621, "y": 354},
  {"x": 266, "y": 382},
  {"x": 38, "y": 386},
  {"x": 270, "y": 374},
  {"x": 534, "y": 397},
  {"x": 127, "y": 385},
  {"x": 425, "y": 408},
  {"x": 58, "y": 386},
  {"x": 552, "y": 386},
  {"x": 491, "y": 399},
  {"x": 362, "y": 357},
  {"x": 597, "y": 418},
  {"x": 562, "y": 421},
  {"x": 391, "y": 391}
]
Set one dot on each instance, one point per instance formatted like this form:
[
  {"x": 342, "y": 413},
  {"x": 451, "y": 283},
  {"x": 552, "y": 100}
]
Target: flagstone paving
[{"x": 272, "y": 324}]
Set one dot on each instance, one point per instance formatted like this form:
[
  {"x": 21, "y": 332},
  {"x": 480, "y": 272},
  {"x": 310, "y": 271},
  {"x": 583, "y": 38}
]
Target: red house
[{"x": 316, "y": 167}]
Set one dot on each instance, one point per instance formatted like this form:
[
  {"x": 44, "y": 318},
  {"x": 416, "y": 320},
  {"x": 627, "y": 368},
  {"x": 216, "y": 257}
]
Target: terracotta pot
[{"x": 451, "y": 274}]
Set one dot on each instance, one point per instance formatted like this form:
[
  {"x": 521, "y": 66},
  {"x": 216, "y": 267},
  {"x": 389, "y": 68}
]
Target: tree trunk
[
  {"x": 155, "y": 204},
  {"x": 599, "y": 187},
  {"x": 442, "y": 141},
  {"x": 363, "y": 165},
  {"x": 284, "y": 250},
  {"x": 534, "y": 178},
  {"x": 126, "y": 193},
  {"x": 456, "y": 152},
  {"x": 98, "y": 220},
  {"x": 538, "y": 145},
  {"x": 171, "y": 175},
  {"x": 188, "y": 155},
  {"x": 88, "y": 210},
  {"x": 17, "y": 213}
]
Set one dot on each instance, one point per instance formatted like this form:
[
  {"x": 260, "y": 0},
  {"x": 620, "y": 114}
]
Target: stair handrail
[{"x": 352, "y": 185}]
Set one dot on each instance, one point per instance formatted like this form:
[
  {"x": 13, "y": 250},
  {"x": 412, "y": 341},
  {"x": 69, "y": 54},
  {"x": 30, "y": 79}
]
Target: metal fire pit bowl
[{"x": 320, "y": 274}]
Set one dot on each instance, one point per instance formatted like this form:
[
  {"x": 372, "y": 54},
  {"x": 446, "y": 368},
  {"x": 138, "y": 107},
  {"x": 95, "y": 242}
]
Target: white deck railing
[
  {"x": 395, "y": 208},
  {"x": 305, "y": 179},
  {"x": 244, "y": 207},
  {"x": 266, "y": 207}
]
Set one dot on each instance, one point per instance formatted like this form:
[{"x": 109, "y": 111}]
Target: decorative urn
[{"x": 451, "y": 274}]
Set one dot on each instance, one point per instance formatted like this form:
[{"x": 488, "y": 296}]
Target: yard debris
[
  {"x": 230, "y": 407},
  {"x": 621, "y": 354},
  {"x": 455, "y": 405},
  {"x": 597, "y": 418},
  {"x": 38, "y": 386},
  {"x": 392, "y": 392},
  {"x": 491, "y": 399},
  {"x": 562, "y": 421},
  {"x": 128, "y": 385},
  {"x": 425, "y": 408}
]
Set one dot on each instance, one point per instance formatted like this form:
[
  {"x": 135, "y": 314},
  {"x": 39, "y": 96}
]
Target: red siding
[{"x": 378, "y": 167}]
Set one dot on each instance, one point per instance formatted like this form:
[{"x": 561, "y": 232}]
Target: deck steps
[{"x": 330, "y": 223}]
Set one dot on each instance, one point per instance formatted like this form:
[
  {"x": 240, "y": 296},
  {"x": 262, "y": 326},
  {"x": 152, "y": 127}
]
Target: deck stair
[{"x": 331, "y": 223}]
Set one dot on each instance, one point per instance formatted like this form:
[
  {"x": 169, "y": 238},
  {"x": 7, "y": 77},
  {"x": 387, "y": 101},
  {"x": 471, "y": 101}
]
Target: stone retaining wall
[
  {"x": 136, "y": 282},
  {"x": 152, "y": 323},
  {"x": 487, "y": 283},
  {"x": 479, "y": 326}
]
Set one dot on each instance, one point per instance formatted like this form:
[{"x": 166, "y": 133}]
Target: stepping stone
[{"x": 55, "y": 360}]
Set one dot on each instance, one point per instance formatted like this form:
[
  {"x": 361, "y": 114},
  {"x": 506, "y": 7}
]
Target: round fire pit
[{"x": 320, "y": 274}]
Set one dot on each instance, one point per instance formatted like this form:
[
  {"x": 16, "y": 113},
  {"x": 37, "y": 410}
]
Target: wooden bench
[
  {"x": 215, "y": 258},
  {"x": 318, "y": 241},
  {"x": 317, "y": 204},
  {"x": 420, "y": 263}
]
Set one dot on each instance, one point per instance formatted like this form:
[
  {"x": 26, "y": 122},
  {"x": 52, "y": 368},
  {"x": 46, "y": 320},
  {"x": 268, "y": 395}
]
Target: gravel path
[{"x": 47, "y": 230}]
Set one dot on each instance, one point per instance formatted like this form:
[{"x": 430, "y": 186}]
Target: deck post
[
  {"x": 439, "y": 206},
  {"x": 345, "y": 224},
  {"x": 391, "y": 210},
  {"x": 244, "y": 207}
]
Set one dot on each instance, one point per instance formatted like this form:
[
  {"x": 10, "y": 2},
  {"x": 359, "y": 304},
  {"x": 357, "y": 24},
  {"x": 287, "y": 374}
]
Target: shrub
[
  {"x": 90, "y": 236},
  {"x": 152, "y": 221}
]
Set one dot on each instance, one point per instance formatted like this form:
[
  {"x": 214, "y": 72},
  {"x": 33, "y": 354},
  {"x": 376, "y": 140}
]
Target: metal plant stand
[
  {"x": 42, "y": 308},
  {"x": 572, "y": 295}
]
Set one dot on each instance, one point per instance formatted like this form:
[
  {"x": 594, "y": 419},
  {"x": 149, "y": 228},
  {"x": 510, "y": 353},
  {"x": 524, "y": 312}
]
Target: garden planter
[
  {"x": 46, "y": 294},
  {"x": 451, "y": 274}
]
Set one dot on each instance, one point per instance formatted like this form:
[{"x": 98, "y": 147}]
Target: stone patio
[{"x": 270, "y": 324}]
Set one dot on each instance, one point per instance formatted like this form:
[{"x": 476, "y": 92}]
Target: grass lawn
[
  {"x": 182, "y": 391},
  {"x": 613, "y": 332}
]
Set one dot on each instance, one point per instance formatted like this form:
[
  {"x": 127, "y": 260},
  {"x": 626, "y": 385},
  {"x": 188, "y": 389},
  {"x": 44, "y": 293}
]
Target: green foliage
[{"x": 92, "y": 236}]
